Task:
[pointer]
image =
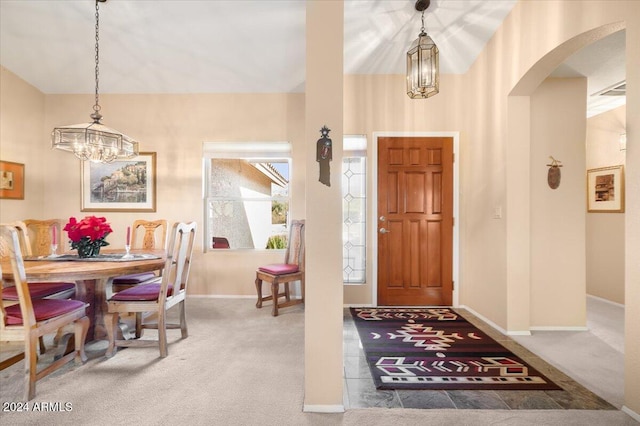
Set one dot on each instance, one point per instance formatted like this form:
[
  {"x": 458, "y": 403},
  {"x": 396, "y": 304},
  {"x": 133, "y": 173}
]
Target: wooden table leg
[
  {"x": 101, "y": 286},
  {"x": 94, "y": 293}
]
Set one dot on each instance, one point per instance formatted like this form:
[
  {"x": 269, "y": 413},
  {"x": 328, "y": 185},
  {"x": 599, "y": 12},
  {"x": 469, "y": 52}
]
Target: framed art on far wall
[
  {"x": 11, "y": 180},
  {"x": 605, "y": 190},
  {"x": 121, "y": 186}
]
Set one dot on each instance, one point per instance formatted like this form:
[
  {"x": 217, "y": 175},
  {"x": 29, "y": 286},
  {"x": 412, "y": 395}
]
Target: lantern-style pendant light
[
  {"x": 94, "y": 141},
  {"x": 423, "y": 75}
]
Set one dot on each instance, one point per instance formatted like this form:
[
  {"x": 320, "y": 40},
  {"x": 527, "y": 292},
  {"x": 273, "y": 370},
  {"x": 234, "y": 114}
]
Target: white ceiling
[{"x": 213, "y": 46}]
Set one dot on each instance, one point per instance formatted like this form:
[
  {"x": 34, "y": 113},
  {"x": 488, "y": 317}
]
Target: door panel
[{"x": 415, "y": 209}]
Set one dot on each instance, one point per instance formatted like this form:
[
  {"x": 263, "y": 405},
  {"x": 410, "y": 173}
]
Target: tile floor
[{"x": 360, "y": 391}]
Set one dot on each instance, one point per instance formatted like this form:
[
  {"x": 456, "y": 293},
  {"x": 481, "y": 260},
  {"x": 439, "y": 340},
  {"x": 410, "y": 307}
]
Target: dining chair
[
  {"x": 37, "y": 290},
  {"x": 156, "y": 298},
  {"x": 29, "y": 319},
  {"x": 283, "y": 273},
  {"x": 153, "y": 237},
  {"x": 41, "y": 234}
]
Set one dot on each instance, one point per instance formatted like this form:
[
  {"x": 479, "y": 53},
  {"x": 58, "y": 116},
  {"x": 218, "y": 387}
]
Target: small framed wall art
[
  {"x": 11, "y": 180},
  {"x": 605, "y": 190}
]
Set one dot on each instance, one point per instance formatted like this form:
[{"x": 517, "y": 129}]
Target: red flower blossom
[{"x": 91, "y": 227}]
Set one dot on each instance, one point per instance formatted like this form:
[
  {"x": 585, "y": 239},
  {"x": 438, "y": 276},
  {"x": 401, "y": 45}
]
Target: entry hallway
[{"x": 239, "y": 366}]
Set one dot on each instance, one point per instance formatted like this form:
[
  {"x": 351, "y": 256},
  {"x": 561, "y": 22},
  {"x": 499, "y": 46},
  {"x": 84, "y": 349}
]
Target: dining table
[{"x": 93, "y": 277}]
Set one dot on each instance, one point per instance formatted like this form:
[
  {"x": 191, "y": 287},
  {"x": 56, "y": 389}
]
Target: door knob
[
  {"x": 382, "y": 218},
  {"x": 384, "y": 231}
]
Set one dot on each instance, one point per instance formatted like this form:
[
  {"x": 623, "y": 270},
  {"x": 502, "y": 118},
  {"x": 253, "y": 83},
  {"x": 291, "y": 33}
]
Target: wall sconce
[{"x": 623, "y": 142}]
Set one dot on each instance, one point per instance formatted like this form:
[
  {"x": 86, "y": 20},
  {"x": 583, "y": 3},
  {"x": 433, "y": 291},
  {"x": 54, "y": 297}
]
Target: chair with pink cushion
[
  {"x": 29, "y": 319},
  {"x": 156, "y": 298},
  {"x": 283, "y": 273},
  {"x": 153, "y": 237},
  {"x": 43, "y": 238}
]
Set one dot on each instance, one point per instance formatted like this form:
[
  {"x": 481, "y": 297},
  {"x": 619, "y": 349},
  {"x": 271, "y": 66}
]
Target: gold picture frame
[
  {"x": 605, "y": 190},
  {"x": 11, "y": 180},
  {"x": 121, "y": 186}
]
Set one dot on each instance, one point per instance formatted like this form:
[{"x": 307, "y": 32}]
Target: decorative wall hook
[
  {"x": 553, "y": 175},
  {"x": 324, "y": 155}
]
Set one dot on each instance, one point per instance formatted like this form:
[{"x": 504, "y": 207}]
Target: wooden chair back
[
  {"x": 42, "y": 235},
  {"x": 178, "y": 264},
  {"x": 23, "y": 240},
  {"x": 11, "y": 242},
  {"x": 149, "y": 234},
  {"x": 294, "y": 255}
]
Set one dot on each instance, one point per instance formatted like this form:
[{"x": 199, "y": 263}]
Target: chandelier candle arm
[{"x": 94, "y": 141}]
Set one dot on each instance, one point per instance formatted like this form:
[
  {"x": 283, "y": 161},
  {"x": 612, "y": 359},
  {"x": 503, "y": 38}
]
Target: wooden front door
[{"x": 415, "y": 221}]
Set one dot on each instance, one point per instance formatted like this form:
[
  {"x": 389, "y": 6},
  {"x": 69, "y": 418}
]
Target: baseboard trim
[
  {"x": 220, "y": 296},
  {"x": 310, "y": 408},
  {"x": 227, "y": 296},
  {"x": 560, "y": 328},
  {"x": 631, "y": 413},
  {"x": 496, "y": 326},
  {"x": 519, "y": 333},
  {"x": 619, "y": 305}
]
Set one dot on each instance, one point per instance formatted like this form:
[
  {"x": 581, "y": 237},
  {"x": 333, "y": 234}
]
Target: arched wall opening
[{"x": 545, "y": 229}]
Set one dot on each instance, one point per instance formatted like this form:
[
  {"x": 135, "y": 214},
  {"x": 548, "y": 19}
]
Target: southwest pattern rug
[{"x": 436, "y": 348}]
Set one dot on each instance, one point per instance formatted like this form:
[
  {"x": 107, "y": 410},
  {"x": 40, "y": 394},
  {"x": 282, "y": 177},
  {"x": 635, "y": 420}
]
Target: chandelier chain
[
  {"x": 422, "y": 28},
  {"x": 96, "y": 107}
]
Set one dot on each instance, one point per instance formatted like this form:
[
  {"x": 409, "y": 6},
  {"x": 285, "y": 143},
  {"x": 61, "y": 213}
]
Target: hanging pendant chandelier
[
  {"x": 94, "y": 141},
  {"x": 423, "y": 74}
]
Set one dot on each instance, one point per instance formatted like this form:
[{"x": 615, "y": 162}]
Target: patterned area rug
[{"x": 435, "y": 348}]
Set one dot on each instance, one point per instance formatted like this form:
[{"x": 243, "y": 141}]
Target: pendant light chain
[
  {"x": 422, "y": 28},
  {"x": 96, "y": 108}
]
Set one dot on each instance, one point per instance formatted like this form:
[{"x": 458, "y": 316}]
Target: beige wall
[
  {"x": 22, "y": 110},
  {"x": 515, "y": 62},
  {"x": 558, "y": 215},
  {"x": 605, "y": 231},
  {"x": 490, "y": 106}
]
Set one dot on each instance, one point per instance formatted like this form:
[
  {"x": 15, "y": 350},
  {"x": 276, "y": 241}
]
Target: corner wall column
[{"x": 323, "y": 369}]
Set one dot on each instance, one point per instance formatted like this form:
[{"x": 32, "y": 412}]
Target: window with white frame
[
  {"x": 247, "y": 194},
  {"x": 354, "y": 209}
]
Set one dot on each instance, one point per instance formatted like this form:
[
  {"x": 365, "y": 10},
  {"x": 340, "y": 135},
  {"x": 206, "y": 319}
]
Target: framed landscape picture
[
  {"x": 605, "y": 190},
  {"x": 11, "y": 180},
  {"x": 124, "y": 185}
]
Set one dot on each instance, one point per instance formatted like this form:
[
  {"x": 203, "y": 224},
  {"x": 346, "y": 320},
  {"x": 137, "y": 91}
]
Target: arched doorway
[{"x": 521, "y": 225}]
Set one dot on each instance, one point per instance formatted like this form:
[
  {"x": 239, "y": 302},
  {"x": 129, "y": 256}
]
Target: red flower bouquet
[{"x": 87, "y": 235}]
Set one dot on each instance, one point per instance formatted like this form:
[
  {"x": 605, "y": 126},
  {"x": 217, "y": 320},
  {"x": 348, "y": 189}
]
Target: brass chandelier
[{"x": 94, "y": 141}]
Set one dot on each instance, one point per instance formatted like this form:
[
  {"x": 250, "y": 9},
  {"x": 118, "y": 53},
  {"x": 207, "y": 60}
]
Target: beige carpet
[{"x": 239, "y": 366}]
